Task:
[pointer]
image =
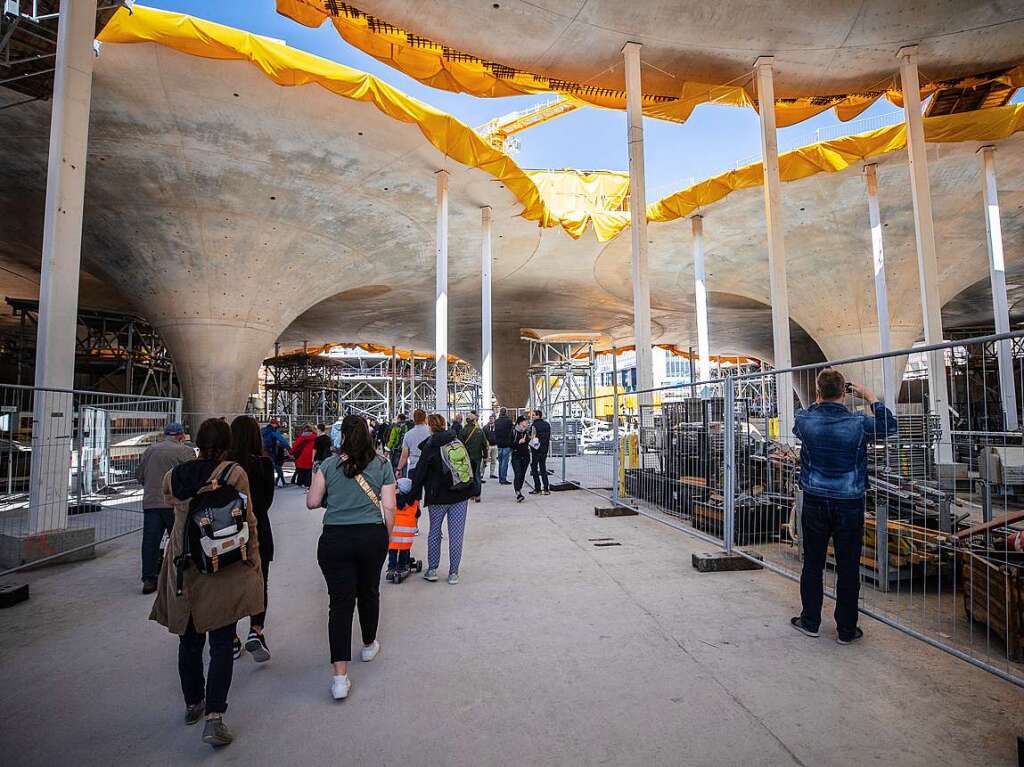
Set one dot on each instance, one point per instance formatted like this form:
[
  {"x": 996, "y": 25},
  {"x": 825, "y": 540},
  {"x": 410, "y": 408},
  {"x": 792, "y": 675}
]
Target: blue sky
[{"x": 714, "y": 139}]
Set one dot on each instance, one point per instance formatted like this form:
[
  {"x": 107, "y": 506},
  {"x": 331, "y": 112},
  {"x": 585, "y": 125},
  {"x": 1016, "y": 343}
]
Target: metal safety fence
[
  {"x": 941, "y": 553},
  {"x": 67, "y": 469}
]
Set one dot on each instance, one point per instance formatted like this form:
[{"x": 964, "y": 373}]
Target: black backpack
[{"x": 215, "y": 535}]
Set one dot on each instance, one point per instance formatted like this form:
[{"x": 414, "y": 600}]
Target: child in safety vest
[{"x": 400, "y": 561}]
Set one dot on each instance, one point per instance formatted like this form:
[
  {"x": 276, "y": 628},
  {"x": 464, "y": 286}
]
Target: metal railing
[
  {"x": 70, "y": 484},
  {"x": 942, "y": 554}
]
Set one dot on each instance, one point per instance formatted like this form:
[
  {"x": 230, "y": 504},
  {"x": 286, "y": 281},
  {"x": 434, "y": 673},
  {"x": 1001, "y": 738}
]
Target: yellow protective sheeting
[
  {"x": 839, "y": 154},
  {"x": 290, "y": 67},
  {"x": 436, "y": 65},
  {"x": 579, "y": 199}
]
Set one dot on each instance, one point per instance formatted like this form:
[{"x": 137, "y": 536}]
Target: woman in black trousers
[
  {"x": 247, "y": 452},
  {"x": 358, "y": 490},
  {"x": 520, "y": 456}
]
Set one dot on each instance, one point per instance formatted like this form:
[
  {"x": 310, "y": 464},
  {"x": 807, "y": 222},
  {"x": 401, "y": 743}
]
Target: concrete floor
[{"x": 550, "y": 652}]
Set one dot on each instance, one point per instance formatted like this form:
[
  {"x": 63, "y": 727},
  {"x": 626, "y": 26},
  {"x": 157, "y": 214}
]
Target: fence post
[
  {"x": 729, "y": 457},
  {"x": 565, "y": 442},
  {"x": 615, "y": 444}
]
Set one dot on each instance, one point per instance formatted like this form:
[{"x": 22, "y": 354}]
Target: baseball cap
[
  {"x": 173, "y": 428},
  {"x": 275, "y": 422},
  {"x": 404, "y": 485}
]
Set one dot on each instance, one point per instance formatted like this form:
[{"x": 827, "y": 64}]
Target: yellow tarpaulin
[
  {"x": 289, "y": 67},
  {"x": 435, "y": 64}
]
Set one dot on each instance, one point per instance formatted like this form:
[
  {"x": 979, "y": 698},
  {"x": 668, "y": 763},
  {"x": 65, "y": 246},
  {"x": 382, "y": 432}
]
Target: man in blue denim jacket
[{"x": 833, "y": 477}]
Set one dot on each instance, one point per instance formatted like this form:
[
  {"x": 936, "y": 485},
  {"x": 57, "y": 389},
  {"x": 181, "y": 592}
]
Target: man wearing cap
[{"x": 159, "y": 458}]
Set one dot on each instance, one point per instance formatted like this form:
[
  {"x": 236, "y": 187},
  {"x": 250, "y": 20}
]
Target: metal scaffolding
[
  {"x": 115, "y": 352},
  {"x": 562, "y": 378},
  {"x": 311, "y": 383}
]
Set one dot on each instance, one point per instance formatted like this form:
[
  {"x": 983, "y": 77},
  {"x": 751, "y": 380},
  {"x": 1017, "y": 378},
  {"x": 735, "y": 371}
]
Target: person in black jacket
[
  {"x": 432, "y": 477},
  {"x": 520, "y": 452},
  {"x": 541, "y": 437},
  {"x": 503, "y": 439},
  {"x": 321, "y": 445},
  {"x": 247, "y": 452}
]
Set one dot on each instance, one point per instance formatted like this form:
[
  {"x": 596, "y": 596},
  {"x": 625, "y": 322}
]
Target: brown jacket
[{"x": 212, "y": 601}]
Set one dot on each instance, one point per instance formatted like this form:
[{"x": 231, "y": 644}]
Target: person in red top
[{"x": 302, "y": 451}]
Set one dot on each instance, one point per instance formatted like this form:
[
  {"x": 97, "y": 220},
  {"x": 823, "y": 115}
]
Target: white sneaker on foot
[
  {"x": 453, "y": 578},
  {"x": 369, "y": 652},
  {"x": 340, "y": 687}
]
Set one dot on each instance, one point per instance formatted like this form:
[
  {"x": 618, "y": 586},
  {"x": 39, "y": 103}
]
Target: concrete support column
[
  {"x": 997, "y": 277},
  {"x": 927, "y": 262},
  {"x": 441, "y": 295},
  {"x": 700, "y": 292},
  {"x": 890, "y": 384},
  {"x": 638, "y": 219},
  {"x": 53, "y": 413},
  {"x": 486, "y": 379},
  {"x": 512, "y": 387},
  {"x": 776, "y": 243}
]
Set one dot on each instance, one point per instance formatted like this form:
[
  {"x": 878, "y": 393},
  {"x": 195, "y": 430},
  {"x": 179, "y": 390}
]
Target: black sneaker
[
  {"x": 504, "y": 482},
  {"x": 390, "y": 576},
  {"x": 535, "y": 492},
  {"x": 195, "y": 712},
  {"x": 148, "y": 586},
  {"x": 520, "y": 498},
  {"x": 256, "y": 646},
  {"x": 857, "y": 634},
  {"x": 216, "y": 733},
  {"x": 547, "y": 492},
  {"x": 798, "y": 624},
  {"x": 237, "y": 648}
]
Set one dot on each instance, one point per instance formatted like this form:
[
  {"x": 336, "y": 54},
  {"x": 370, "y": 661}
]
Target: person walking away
[
  {"x": 503, "y": 428},
  {"x": 321, "y": 445},
  {"x": 247, "y": 452},
  {"x": 157, "y": 515},
  {"x": 302, "y": 452},
  {"x": 540, "y": 433},
  {"x": 403, "y": 533},
  {"x": 445, "y": 478},
  {"x": 476, "y": 447},
  {"x": 357, "y": 487},
  {"x": 520, "y": 451},
  {"x": 395, "y": 437},
  {"x": 833, "y": 478},
  {"x": 275, "y": 445},
  {"x": 383, "y": 432},
  {"x": 491, "y": 462},
  {"x": 456, "y": 427},
  {"x": 207, "y": 605},
  {"x": 411, "y": 442}
]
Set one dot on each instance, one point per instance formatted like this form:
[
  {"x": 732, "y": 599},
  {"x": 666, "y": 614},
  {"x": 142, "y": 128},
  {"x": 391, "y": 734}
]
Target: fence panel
[{"x": 70, "y": 483}]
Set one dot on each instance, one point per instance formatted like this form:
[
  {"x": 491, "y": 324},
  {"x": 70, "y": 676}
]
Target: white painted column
[
  {"x": 486, "y": 368},
  {"x": 890, "y": 385},
  {"x": 638, "y": 220},
  {"x": 927, "y": 262},
  {"x": 997, "y": 277},
  {"x": 441, "y": 296},
  {"x": 700, "y": 292},
  {"x": 53, "y": 412},
  {"x": 778, "y": 287}
]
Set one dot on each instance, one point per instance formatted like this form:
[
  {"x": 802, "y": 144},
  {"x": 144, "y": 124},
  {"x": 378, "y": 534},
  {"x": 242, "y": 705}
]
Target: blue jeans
[
  {"x": 504, "y": 454},
  {"x": 154, "y": 522},
  {"x": 842, "y": 520}
]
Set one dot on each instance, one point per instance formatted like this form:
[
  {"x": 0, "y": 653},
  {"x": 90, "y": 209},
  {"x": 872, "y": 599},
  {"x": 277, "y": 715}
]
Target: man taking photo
[{"x": 833, "y": 477}]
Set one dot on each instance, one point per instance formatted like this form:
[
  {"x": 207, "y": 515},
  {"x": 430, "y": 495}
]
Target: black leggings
[
  {"x": 260, "y": 619},
  {"x": 520, "y": 463},
  {"x": 351, "y": 557},
  {"x": 539, "y": 466},
  {"x": 222, "y": 662}
]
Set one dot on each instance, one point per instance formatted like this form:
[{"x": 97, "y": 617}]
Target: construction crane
[{"x": 499, "y": 131}]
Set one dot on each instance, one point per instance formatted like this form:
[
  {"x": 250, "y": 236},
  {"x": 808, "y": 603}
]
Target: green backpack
[{"x": 456, "y": 460}]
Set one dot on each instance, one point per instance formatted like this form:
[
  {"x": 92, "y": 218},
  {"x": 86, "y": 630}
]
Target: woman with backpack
[
  {"x": 358, "y": 490},
  {"x": 195, "y": 604},
  {"x": 445, "y": 473},
  {"x": 247, "y": 452}
]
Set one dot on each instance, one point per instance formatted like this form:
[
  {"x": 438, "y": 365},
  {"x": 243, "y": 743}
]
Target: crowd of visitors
[{"x": 215, "y": 498}]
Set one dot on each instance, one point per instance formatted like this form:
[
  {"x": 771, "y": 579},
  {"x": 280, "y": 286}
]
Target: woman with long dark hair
[
  {"x": 247, "y": 452},
  {"x": 207, "y": 605},
  {"x": 357, "y": 488}
]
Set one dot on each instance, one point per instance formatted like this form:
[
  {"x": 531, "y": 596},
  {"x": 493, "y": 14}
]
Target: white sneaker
[
  {"x": 453, "y": 578},
  {"x": 369, "y": 652},
  {"x": 340, "y": 687}
]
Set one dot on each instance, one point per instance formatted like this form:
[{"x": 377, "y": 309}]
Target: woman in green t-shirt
[{"x": 358, "y": 490}]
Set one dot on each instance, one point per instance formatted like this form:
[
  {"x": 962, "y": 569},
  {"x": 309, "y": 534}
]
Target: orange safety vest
[{"x": 405, "y": 527}]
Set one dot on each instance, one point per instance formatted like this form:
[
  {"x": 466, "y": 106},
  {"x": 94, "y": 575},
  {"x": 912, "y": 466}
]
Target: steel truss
[
  {"x": 375, "y": 385},
  {"x": 562, "y": 378},
  {"x": 115, "y": 353}
]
